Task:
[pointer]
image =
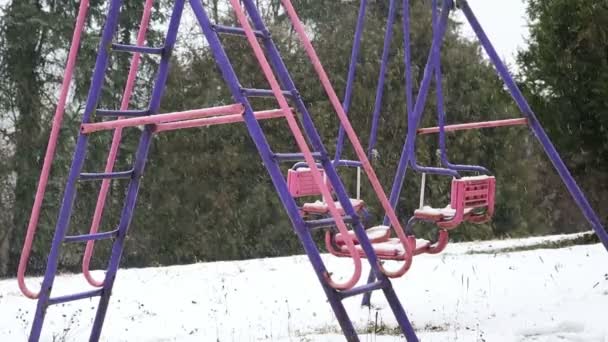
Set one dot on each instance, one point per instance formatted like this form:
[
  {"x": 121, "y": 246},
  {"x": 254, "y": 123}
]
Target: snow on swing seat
[
  {"x": 320, "y": 207},
  {"x": 374, "y": 234},
  {"x": 434, "y": 214},
  {"x": 471, "y": 199},
  {"x": 391, "y": 249}
]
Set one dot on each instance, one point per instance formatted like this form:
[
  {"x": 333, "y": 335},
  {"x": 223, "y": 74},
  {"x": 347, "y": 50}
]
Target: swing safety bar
[{"x": 475, "y": 125}]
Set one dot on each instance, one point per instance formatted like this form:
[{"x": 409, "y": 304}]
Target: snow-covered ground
[{"x": 538, "y": 295}]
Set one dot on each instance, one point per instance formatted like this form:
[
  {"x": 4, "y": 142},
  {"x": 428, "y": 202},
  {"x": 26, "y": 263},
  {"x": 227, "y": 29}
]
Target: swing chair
[{"x": 471, "y": 198}]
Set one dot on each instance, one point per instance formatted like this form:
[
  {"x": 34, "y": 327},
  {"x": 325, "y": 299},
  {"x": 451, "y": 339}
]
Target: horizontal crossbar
[
  {"x": 75, "y": 296},
  {"x": 291, "y": 157},
  {"x": 475, "y": 125},
  {"x": 326, "y": 222},
  {"x": 91, "y": 237},
  {"x": 362, "y": 289},
  {"x": 89, "y": 176},
  {"x": 219, "y": 120},
  {"x": 236, "y": 31},
  {"x": 138, "y": 49},
  {"x": 162, "y": 118}
]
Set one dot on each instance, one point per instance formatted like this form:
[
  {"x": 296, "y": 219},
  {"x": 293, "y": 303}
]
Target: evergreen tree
[{"x": 565, "y": 69}]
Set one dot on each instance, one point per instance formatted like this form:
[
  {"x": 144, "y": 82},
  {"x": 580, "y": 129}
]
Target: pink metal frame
[
  {"x": 475, "y": 125},
  {"x": 50, "y": 151},
  {"x": 116, "y": 139},
  {"x": 217, "y": 120},
  {"x": 162, "y": 118},
  {"x": 303, "y": 146}
]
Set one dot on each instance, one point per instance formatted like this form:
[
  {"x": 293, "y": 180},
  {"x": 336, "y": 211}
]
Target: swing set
[{"x": 344, "y": 218}]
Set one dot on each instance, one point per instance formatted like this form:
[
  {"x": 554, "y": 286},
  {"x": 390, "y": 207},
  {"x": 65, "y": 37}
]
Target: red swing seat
[{"x": 471, "y": 200}]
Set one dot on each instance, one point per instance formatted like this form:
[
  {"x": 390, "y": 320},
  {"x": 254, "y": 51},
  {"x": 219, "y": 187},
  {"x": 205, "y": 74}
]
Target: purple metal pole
[
  {"x": 123, "y": 228},
  {"x": 388, "y": 37},
  {"x": 63, "y": 220},
  {"x": 327, "y": 165},
  {"x": 441, "y": 113},
  {"x": 409, "y": 105},
  {"x": 336, "y": 182},
  {"x": 354, "y": 58},
  {"x": 274, "y": 171},
  {"x": 138, "y": 169},
  {"x": 413, "y": 161},
  {"x": 407, "y": 53},
  {"x": 535, "y": 126},
  {"x": 408, "y": 154},
  {"x": 414, "y": 119}
]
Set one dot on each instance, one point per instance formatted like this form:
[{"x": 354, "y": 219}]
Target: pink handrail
[
  {"x": 303, "y": 146},
  {"x": 475, "y": 125},
  {"x": 216, "y": 120},
  {"x": 162, "y": 118},
  {"x": 116, "y": 139},
  {"x": 50, "y": 151},
  {"x": 350, "y": 132}
]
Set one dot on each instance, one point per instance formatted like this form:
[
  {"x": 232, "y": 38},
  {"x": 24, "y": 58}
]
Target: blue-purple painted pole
[
  {"x": 413, "y": 120},
  {"x": 309, "y": 246},
  {"x": 409, "y": 106},
  {"x": 123, "y": 228},
  {"x": 65, "y": 212},
  {"x": 408, "y": 154},
  {"x": 138, "y": 169},
  {"x": 354, "y": 58},
  {"x": 535, "y": 126},
  {"x": 343, "y": 197},
  {"x": 388, "y": 37},
  {"x": 407, "y": 55},
  {"x": 441, "y": 113},
  {"x": 436, "y": 60},
  {"x": 274, "y": 171}
]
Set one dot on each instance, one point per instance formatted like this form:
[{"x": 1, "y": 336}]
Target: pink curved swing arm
[
  {"x": 352, "y": 135},
  {"x": 116, "y": 139},
  {"x": 50, "y": 151}
]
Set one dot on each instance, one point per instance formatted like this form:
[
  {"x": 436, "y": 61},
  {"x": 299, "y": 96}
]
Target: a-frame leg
[
  {"x": 138, "y": 168},
  {"x": 535, "y": 126},
  {"x": 69, "y": 195}
]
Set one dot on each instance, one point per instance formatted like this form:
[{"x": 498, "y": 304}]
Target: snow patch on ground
[{"x": 539, "y": 295}]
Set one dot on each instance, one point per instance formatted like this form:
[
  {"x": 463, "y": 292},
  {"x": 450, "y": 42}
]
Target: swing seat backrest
[
  {"x": 468, "y": 194},
  {"x": 301, "y": 182}
]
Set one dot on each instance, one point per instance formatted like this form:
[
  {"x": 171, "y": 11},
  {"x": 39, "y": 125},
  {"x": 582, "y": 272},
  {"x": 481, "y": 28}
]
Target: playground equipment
[{"x": 316, "y": 175}]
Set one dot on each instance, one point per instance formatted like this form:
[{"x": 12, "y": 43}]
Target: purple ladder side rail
[{"x": 69, "y": 195}]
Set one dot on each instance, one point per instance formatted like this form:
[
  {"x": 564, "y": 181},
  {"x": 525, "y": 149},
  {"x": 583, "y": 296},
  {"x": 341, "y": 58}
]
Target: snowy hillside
[{"x": 466, "y": 294}]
